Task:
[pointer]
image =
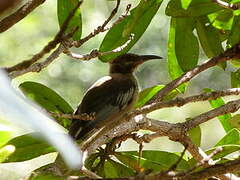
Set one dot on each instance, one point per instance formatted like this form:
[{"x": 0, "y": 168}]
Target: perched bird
[{"x": 111, "y": 97}]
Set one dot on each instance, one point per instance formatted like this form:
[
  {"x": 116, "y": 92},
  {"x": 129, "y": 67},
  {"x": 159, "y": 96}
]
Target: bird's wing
[{"x": 106, "y": 98}]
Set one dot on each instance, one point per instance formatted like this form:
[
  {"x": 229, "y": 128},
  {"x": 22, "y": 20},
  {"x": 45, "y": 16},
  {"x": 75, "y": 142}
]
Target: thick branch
[{"x": 27, "y": 8}]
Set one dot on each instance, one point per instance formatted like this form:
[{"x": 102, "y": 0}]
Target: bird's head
[{"x": 127, "y": 63}]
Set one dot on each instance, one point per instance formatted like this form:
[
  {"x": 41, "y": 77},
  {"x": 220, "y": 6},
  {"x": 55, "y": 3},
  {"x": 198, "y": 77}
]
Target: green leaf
[
  {"x": 132, "y": 162},
  {"x": 209, "y": 39},
  {"x": 186, "y": 44},
  {"x": 229, "y": 143},
  {"x": 5, "y": 152},
  {"x": 185, "y": 3},
  {"x": 147, "y": 94},
  {"x": 195, "y": 135},
  {"x": 64, "y": 7},
  {"x": 113, "y": 169},
  {"x": 174, "y": 69},
  {"x": 48, "y": 99},
  {"x": 222, "y": 19},
  {"x": 181, "y": 56},
  {"x": 136, "y": 23},
  {"x": 224, "y": 119},
  {"x": 235, "y": 79},
  {"x": 90, "y": 161},
  {"x": 196, "y": 8},
  {"x": 226, "y": 150},
  {"x": 27, "y": 147},
  {"x": 234, "y": 36},
  {"x": 155, "y": 160},
  {"x": 232, "y": 137},
  {"x": 5, "y": 136},
  {"x": 235, "y": 121}
]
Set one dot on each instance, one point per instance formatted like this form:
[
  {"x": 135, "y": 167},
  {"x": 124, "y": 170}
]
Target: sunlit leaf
[
  {"x": 64, "y": 7},
  {"x": 5, "y": 136},
  {"x": 185, "y": 3},
  {"x": 136, "y": 23},
  {"x": 48, "y": 99},
  {"x": 147, "y": 94},
  {"x": 27, "y": 147},
  {"x": 196, "y": 8},
  {"x": 5, "y": 152},
  {"x": 232, "y": 137},
  {"x": 222, "y": 19}
]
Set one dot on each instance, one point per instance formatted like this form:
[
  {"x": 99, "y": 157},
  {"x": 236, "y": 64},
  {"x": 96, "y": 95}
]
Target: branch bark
[
  {"x": 23, "y": 66},
  {"x": 232, "y": 53},
  {"x": 21, "y": 13}
]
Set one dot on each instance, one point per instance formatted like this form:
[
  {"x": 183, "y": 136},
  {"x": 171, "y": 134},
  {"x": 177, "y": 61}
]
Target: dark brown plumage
[{"x": 111, "y": 96}]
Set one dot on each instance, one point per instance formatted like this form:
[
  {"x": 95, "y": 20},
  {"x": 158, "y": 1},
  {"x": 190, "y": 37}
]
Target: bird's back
[{"x": 109, "y": 98}]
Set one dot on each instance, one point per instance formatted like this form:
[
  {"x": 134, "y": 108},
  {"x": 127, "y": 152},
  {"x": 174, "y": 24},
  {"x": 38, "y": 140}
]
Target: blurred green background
[{"x": 70, "y": 78}]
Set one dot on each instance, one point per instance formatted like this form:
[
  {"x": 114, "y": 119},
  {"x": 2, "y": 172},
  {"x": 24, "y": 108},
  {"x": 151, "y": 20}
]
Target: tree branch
[
  {"x": 182, "y": 101},
  {"x": 102, "y": 28},
  {"x": 84, "y": 116},
  {"x": 229, "y": 54},
  {"x": 227, "y": 5},
  {"x": 215, "y": 170},
  {"x": 95, "y": 53},
  {"x": 23, "y": 66},
  {"x": 37, "y": 67},
  {"x": 21, "y": 13}
]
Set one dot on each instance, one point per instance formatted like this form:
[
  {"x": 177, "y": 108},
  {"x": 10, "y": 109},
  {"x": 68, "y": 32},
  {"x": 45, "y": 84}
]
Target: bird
[{"x": 110, "y": 97}]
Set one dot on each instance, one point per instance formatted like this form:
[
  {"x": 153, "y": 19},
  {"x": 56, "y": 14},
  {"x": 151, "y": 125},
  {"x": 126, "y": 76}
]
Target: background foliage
[{"x": 184, "y": 32}]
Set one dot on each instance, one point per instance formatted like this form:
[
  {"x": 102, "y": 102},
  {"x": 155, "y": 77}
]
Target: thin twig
[
  {"x": 99, "y": 28},
  {"x": 229, "y": 54},
  {"x": 183, "y": 101},
  {"x": 51, "y": 45},
  {"x": 207, "y": 160},
  {"x": 37, "y": 67},
  {"x": 21, "y": 13},
  {"x": 227, "y": 5},
  {"x": 114, "y": 11},
  {"x": 95, "y": 53},
  {"x": 174, "y": 166},
  {"x": 122, "y": 17},
  {"x": 84, "y": 116}
]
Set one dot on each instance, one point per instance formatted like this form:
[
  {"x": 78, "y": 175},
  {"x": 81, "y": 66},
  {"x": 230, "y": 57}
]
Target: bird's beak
[{"x": 145, "y": 58}]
